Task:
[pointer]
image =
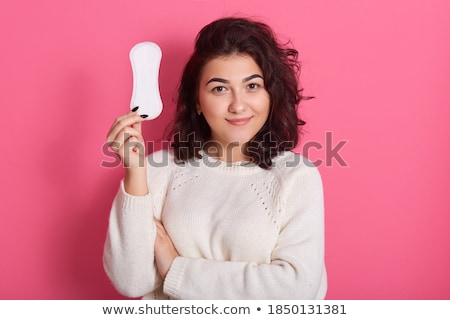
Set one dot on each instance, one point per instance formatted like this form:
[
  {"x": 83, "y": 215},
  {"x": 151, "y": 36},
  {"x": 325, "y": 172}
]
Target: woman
[{"x": 229, "y": 212}]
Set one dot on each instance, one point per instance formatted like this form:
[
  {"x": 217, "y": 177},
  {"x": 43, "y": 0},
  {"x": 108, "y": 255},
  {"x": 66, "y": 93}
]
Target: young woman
[{"x": 229, "y": 212}]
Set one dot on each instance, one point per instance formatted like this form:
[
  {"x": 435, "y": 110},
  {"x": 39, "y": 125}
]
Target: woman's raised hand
[{"x": 126, "y": 140}]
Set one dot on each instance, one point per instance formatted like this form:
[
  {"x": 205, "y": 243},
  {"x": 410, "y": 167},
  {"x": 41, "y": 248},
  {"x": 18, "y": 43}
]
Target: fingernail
[
  {"x": 143, "y": 116},
  {"x": 135, "y": 109}
]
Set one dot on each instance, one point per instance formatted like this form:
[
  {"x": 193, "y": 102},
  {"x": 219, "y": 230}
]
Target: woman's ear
[{"x": 199, "y": 110}]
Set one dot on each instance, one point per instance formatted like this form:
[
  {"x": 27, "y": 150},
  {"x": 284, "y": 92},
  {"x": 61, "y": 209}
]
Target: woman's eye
[
  {"x": 219, "y": 89},
  {"x": 253, "y": 86}
]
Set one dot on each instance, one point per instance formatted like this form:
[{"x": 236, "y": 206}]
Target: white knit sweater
[{"x": 242, "y": 232}]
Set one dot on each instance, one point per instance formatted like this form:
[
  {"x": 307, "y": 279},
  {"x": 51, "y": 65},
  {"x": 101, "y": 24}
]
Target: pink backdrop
[{"x": 380, "y": 72}]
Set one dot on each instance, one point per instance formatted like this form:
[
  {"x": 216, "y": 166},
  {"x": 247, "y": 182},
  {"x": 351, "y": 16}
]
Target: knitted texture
[{"x": 242, "y": 232}]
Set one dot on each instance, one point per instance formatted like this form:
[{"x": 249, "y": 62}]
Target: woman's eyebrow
[
  {"x": 217, "y": 80},
  {"x": 253, "y": 76},
  {"x": 221, "y": 80}
]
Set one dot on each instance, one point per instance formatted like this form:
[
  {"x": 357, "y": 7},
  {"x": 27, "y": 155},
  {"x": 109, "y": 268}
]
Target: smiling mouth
[{"x": 239, "y": 121}]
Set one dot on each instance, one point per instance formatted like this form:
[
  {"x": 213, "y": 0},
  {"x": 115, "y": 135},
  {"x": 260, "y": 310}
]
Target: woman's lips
[{"x": 239, "y": 121}]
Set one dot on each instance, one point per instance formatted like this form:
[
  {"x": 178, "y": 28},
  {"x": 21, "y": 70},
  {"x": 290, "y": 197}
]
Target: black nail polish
[
  {"x": 135, "y": 109},
  {"x": 143, "y": 116}
]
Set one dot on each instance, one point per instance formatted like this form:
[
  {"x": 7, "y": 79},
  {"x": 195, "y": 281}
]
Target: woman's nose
[{"x": 237, "y": 104}]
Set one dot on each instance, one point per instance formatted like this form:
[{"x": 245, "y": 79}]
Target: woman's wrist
[{"x": 135, "y": 182}]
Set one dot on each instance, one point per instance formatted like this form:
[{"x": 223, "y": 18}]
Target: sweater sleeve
[
  {"x": 128, "y": 256},
  {"x": 296, "y": 269}
]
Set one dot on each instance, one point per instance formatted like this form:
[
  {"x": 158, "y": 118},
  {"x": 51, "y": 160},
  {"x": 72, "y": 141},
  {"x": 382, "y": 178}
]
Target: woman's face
[{"x": 233, "y": 99}]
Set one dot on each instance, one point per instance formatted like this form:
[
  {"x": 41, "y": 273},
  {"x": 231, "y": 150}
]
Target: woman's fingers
[
  {"x": 163, "y": 241},
  {"x": 165, "y": 251},
  {"x": 138, "y": 125},
  {"x": 130, "y": 119},
  {"x": 129, "y": 134},
  {"x": 126, "y": 140},
  {"x": 161, "y": 231}
]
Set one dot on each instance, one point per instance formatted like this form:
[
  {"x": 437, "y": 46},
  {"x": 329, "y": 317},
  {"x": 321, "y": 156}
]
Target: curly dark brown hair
[{"x": 281, "y": 69}]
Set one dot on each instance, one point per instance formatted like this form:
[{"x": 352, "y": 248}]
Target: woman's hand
[
  {"x": 126, "y": 140},
  {"x": 165, "y": 251}
]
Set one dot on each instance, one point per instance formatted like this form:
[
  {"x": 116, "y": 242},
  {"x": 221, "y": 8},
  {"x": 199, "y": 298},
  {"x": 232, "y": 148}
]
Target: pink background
[{"x": 380, "y": 72}]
